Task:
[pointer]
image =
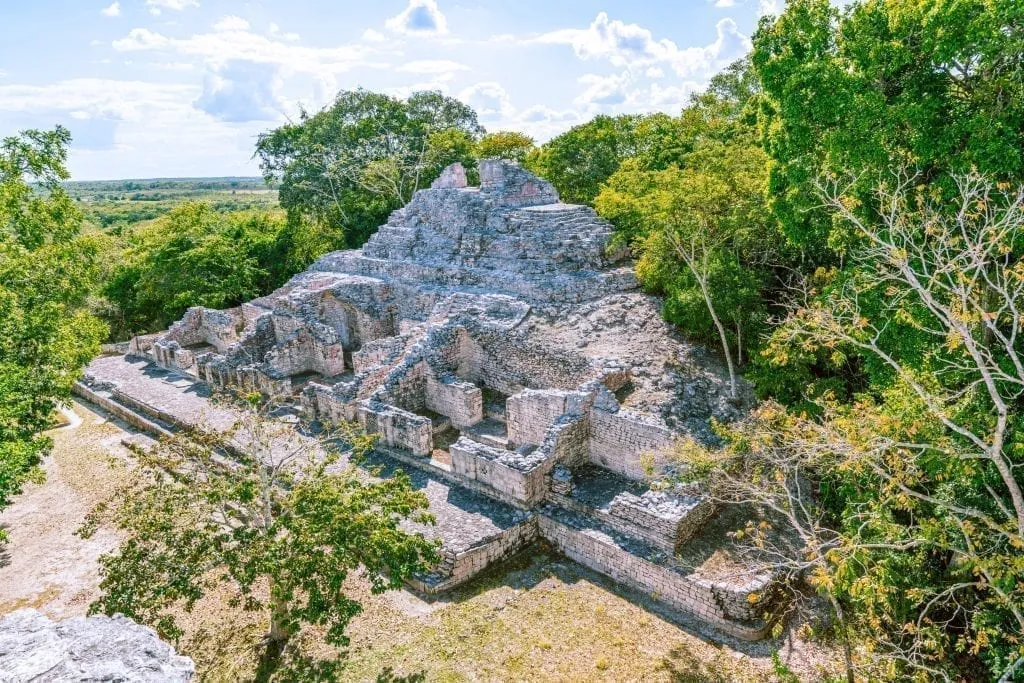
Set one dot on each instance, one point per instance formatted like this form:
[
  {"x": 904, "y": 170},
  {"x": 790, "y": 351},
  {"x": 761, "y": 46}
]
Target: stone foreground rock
[
  {"x": 97, "y": 648},
  {"x": 495, "y": 339}
]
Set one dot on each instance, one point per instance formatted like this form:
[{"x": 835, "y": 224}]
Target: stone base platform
[
  {"x": 474, "y": 530},
  {"x": 478, "y": 529}
]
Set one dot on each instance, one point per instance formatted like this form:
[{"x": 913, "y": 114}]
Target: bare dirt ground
[
  {"x": 538, "y": 618},
  {"x": 45, "y": 565}
]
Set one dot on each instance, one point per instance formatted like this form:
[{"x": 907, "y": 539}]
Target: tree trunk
[
  {"x": 733, "y": 390},
  {"x": 847, "y": 650},
  {"x": 279, "y": 633}
]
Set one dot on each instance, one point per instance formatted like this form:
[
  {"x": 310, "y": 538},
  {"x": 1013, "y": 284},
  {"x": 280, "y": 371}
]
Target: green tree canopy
[
  {"x": 279, "y": 524},
  {"x": 195, "y": 256},
  {"x": 936, "y": 86},
  {"x": 505, "y": 145},
  {"x": 352, "y": 163},
  {"x": 46, "y": 273}
]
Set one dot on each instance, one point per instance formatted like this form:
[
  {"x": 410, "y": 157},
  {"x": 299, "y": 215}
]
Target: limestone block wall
[
  {"x": 667, "y": 521},
  {"x": 320, "y": 402},
  {"x": 567, "y": 440},
  {"x": 222, "y": 376},
  {"x": 489, "y": 358},
  {"x": 304, "y": 353},
  {"x": 511, "y": 474},
  {"x": 406, "y": 385},
  {"x": 460, "y": 401},
  {"x": 199, "y": 325},
  {"x": 468, "y": 563},
  {"x": 142, "y": 345},
  {"x": 529, "y": 414},
  {"x": 375, "y": 353},
  {"x": 396, "y": 427},
  {"x": 721, "y": 604},
  {"x": 618, "y": 442}
]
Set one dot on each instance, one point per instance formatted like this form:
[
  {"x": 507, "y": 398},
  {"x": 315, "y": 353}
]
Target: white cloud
[
  {"x": 421, "y": 17},
  {"x": 372, "y": 36},
  {"x": 543, "y": 123},
  {"x": 156, "y": 6},
  {"x": 129, "y": 100},
  {"x": 220, "y": 47},
  {"x": 765, "y": 7},
  {"x": 275, "y": 31},
  {"x": 604, "y": 90},
  {"x": 232, "y": 23},
  {"x": 489, "y": 99},
  {"x": 655, "y": 72},
  {"x": 113, "y": 11},
  {"x": 725, "y": 3},
  {"x": 140, "y": 39},
  {"x": 633, "y": 46},
  {"x": 673, "y": 96},
  {"x": 432, "y": 66},
  {"x": 621, "y": 43},
  {"x": 240, "y": 92}
]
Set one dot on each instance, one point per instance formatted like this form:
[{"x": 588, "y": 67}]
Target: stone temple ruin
[{"x": 499, "y": 346}]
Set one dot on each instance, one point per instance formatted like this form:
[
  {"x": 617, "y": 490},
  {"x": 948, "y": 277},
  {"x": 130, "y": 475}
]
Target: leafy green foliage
[
  {"x": 349, "y": 165},
  {"x": 699, "y": 225},
  {"x": 46, "y": 273},
  {"x": 937, "y": 86},
  {"x": 505, "y": 145},
  {"x": 279, "y": 523},
  {"x": 579, "y": 160},
  {"x": 196, "y": 256}
]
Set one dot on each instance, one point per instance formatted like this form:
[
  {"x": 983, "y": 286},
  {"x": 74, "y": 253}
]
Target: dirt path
[{"x": 45, "y": 565}]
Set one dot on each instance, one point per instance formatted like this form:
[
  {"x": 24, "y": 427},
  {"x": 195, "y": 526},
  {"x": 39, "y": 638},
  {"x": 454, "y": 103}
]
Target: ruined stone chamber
[{"x": 497, "y": 342}]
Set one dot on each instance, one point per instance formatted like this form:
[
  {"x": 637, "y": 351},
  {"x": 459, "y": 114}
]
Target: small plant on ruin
[{"x": 274, "y": 517}]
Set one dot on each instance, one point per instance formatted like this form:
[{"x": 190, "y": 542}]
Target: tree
[
  {"x": 698, "y": 225},
  {"x": 46, "y": 273},
  {"x": 936, "y": 85},
  {"x": 578, "y": 161},
  {"x": 908, "y": 500},
  {"x": 505, "y": 145},
  {"x": 196, "y": 256},
  {"x": 270, "y": 516},
  {"x": 354, "y": 162}
]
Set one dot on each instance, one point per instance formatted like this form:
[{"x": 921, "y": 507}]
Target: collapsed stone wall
[{"x": 727, "y": 607}]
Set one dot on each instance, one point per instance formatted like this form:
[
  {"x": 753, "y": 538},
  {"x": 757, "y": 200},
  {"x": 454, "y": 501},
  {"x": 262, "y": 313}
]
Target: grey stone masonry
[
  {"x": 98, "y": 648},
  {"x": 494, "y": 337},
  {"x": 669, "y": 515}
]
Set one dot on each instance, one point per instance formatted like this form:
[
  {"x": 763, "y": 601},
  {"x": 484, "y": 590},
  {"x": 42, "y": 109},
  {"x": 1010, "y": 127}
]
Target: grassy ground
[{"x": 538, "y": 618}]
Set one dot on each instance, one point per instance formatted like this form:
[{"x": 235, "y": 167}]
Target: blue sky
[{"x": 158, "y": 88}]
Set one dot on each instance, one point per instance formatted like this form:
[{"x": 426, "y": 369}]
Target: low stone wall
[
  {"x": 303, "y": 353},
  {"x": 221, "y": 375},
  {"x": 460, "y": 401},
  {"x": 467, "y": 564},
  {"x": 727, "y": 608},
  {"x": 529, "y": 414},
  {"x": 122, "y": 412},
  {"x": 668, "y": 520},
  {"x": 512, "y": 474},
  {"x": 618, "y": 442},
  {"x": 567, "y": 440},
  {"x": 397, "y": 427}
]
